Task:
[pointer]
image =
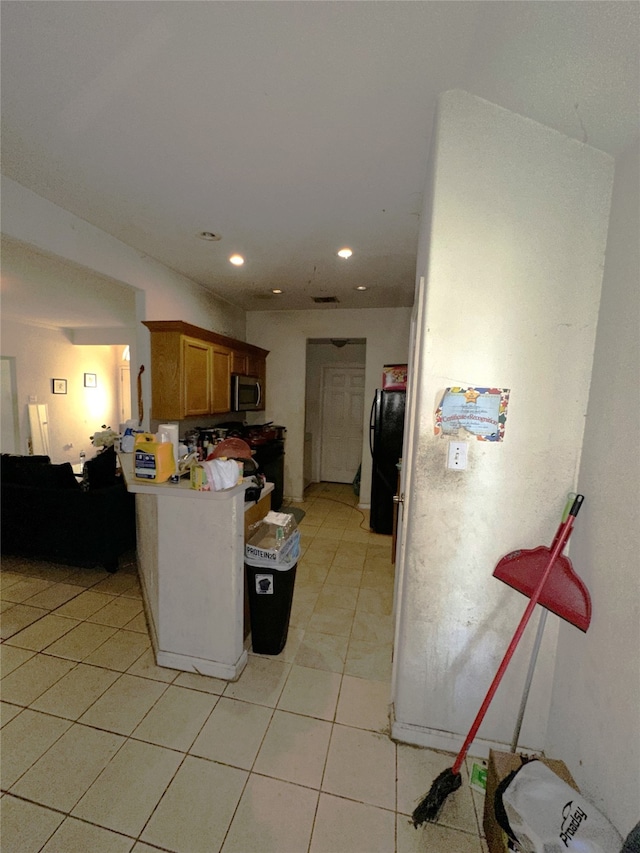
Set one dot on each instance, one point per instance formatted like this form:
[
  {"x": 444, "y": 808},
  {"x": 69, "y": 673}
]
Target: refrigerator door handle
[{"x": 372, "y": 424}]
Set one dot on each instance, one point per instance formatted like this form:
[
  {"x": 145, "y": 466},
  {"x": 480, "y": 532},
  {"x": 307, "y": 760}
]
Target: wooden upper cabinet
[
  {"x": 239, "y": 362},
  {"x": 167, "y": 399},
  {"x": 257, "y": 366},
  {"x": 220, "y": 380},
  {"x": 191, "y": 369},
  {"x": 196, "y": 377}
]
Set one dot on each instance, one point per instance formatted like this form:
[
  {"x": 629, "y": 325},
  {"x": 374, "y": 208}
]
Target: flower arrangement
[{"x": 105, "y": 438}]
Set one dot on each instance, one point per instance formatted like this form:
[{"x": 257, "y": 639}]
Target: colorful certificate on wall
[{"x": 480, "y": 411}]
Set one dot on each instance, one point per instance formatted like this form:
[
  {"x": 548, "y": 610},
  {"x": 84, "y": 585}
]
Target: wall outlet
[{"x": 457, "y": 455}]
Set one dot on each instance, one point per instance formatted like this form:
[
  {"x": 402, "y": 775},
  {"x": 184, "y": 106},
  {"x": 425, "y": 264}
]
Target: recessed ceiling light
[
  {"x": 276, "y": 290},
  {"x": 345, "y": 253},
  {"x": 209, "y": 235},
  {"x": 238, "y": 260},
  {"x": 361, "y": 287}
]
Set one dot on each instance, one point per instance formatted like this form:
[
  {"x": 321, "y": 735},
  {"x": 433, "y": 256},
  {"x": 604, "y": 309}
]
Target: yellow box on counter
[
  {"x": 500, "y": 765},
  {"x": 153, "y": 460}
]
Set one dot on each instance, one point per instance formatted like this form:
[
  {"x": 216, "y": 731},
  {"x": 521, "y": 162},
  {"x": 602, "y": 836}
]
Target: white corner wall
[
  {"x": 160, "y": 293},
  {"x": 285, "y": 334},
  {"x": 516, "y": 242},
  {"x": 169, "y": 296},
  {"x": 43, "y": 354},
  {"x": 595, "y": 707}
]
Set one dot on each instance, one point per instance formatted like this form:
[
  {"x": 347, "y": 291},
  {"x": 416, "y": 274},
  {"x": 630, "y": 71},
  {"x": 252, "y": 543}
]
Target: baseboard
[
  {"x": 215, "y": 669},
  {"x": 446, "y": 741}
]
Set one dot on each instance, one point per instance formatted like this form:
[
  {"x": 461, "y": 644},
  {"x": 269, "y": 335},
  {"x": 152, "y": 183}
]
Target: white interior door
[{"x": 342, "y": 414}]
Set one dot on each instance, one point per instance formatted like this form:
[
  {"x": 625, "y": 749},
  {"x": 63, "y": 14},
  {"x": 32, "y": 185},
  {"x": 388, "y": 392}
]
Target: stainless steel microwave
[{"x": 246, "y": 393}]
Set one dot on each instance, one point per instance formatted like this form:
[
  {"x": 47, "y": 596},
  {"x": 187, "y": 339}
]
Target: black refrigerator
[{"x": 386, "y": 426}]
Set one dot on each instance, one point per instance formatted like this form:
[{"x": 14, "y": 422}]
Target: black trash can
[{"x": 270, "y": 596}]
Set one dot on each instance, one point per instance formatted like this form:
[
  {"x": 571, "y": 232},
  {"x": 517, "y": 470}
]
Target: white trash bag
[{"x": 543, "y": 814}]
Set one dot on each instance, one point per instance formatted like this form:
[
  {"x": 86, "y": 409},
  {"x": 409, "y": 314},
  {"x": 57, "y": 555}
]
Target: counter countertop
[{"x": 183, "y": 489}]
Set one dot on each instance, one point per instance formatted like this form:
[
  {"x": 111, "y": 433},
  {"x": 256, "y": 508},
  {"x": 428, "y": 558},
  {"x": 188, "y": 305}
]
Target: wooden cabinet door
[
  {"x": 239, "y": 363},
  {"x": 196, "y": 377},
  {"x": 257, "y": 366},
  {"x": 167, "y": 398},
  {"x": 220, "y": 380},
  {"x": 253, "y": 364}
]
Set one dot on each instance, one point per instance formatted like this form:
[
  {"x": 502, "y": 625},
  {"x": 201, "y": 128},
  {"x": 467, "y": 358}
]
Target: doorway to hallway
[
  {"x": 332, "y": 398},
  {"x": 341, "y": 425}
]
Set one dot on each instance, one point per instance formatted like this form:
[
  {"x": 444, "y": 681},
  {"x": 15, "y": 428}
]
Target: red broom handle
[{"x": 564, "y": 531}]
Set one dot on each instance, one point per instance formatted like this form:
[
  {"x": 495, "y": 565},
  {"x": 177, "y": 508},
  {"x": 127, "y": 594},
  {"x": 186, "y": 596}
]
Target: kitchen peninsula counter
[{"x": 191, "y": 560}]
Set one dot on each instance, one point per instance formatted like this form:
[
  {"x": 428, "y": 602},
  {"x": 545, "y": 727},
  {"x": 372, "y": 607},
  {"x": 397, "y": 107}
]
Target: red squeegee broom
[{"x": 542, "y": 563}]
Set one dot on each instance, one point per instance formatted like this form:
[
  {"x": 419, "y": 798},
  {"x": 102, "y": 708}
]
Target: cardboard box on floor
[{"x": 500, "y": 765}]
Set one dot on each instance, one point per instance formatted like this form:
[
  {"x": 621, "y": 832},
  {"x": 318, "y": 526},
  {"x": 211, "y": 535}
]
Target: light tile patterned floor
[{"x": 104, "y": 752}]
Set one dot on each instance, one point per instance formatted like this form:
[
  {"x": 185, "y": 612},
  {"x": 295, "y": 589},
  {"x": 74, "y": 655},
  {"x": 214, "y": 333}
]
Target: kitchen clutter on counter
[
  {"x": 154, "y": 459},
  {"x": 216, "y": 474},
  {"x": 213, "y": 458}
]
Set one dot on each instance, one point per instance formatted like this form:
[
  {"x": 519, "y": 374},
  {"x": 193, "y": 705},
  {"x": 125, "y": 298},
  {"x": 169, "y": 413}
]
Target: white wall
[
  {"x": 595, "y": 709},
  {"x": 285, "y": 334},
  {"x": 160, "y": 293},
  {"x": 170, "y": 296},
  {"x": 516, "y": 243},
  {"x": 43, "y": 354}
]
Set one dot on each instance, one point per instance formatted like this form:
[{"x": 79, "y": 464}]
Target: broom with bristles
[{"x": 450, "y": 779}]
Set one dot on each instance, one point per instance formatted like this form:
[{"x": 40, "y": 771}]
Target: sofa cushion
[
  {"x": 100, "y": 472},
  {"x": 49, "y": 476}
]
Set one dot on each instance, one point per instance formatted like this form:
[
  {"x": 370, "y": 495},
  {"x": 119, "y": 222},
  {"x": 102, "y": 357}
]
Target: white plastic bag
[{"x": 546, "y": 815}]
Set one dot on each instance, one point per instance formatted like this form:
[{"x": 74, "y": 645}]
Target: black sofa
[{"x": 48, "y": 513}]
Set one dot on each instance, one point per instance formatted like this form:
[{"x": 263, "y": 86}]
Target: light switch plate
[{"x": 457, "y": 455}]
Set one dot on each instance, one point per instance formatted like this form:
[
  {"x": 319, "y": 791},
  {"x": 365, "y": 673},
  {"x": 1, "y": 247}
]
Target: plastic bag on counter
[{"x": 215, "y": 475}]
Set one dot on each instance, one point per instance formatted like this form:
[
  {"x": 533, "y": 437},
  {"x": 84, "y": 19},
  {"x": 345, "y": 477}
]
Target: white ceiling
[{"x": 289, "y": 128}]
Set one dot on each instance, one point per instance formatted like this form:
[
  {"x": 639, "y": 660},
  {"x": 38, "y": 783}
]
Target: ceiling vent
[{"x": 324, "y": 300}]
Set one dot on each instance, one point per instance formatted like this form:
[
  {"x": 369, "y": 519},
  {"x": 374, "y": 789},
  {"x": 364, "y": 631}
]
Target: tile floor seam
[
  {"x": 235, "y": 810},
  {"x": 69, "y": 813},
  {"x": 313, "y": 822},
  {"x": 160, "y": 799},
  {"x": 78, "y": 664},
  {"x": 84, "y": 659},
  {"x": 70, "y": 816},
  {"x": 53, "y": 809},
  {"x": 35, "y": 761},
  {"x": 16, "y": 645}
]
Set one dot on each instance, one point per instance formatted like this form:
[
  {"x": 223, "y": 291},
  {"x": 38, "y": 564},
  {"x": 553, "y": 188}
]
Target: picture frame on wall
[
  {"x": 59, "y": 386},
  {"x": 90, "y": 380}
]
